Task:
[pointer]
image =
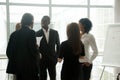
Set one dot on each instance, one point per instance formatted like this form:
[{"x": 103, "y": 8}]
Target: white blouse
[{"x": 89, "y": 41}]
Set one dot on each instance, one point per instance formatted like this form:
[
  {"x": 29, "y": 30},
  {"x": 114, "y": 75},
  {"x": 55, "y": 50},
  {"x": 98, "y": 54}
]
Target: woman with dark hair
[
  {"x": 89, "y": 41},
  {"x": 70, "y": 51}
]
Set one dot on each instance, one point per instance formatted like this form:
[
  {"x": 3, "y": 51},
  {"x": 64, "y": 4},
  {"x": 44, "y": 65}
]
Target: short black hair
[
  {"x": 27, "y": 19},
  {"x": 46, "y": 19},
  {"x": 86, "y": 23}
]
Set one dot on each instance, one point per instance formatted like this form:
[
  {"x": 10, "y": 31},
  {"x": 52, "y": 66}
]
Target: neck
[
  {"x": 82, "y": 32},
  {"x": 30, "y": 27},
  {"x": 46, "y": 28}
]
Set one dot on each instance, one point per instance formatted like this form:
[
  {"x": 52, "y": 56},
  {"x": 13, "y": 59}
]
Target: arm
[
  {"x": 94, "y": 48},
  {"x": 61, "y": 55},
  {"x": 10, "y": 47},
  {"x": 32, "y": 45},
  {"x": 58, "y": 44}
]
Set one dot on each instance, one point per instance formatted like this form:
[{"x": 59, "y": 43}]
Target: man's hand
[{"x": 86, "y": 64}]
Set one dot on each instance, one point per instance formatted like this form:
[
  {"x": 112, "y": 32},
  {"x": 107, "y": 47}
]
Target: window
[
  {"x": 3, "y": 30},
  {"x": 30, "y": 1},
  {"x": 101, "y": 2},
  {"x": 62, "y": 16},
  {"x": 62, "y": 12},
  {"x": 101, "y": 17},
  {"x": 2, "y": 0},
  {"x": 16, "y": 13},
  {"x": 70, "y": 2}
]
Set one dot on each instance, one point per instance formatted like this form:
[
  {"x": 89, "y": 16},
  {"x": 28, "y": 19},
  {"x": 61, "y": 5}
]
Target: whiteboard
[{"x": 111, "y": 55}]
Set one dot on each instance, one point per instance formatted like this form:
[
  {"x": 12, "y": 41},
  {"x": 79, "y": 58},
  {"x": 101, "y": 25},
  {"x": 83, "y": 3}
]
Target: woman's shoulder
[
  {"x": 65, "y": 43},
  {"x": 89, "y": 35}
]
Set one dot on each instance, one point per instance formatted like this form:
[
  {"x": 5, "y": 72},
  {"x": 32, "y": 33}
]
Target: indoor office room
[{"x": 102, "y": 13}]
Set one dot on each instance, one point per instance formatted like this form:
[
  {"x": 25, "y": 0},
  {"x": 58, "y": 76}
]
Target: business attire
[
  {"x": 71, "y": 68},
  {"x": 49, "y": 49},
  {"x": 23, "y": 55},
  {"x": 89, "y": 41}
]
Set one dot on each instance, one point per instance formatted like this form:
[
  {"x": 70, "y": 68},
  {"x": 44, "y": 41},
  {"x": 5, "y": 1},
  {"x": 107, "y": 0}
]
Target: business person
[
  {"x": 70, "y": 51},
  {"x": 89, "y": 41},
  {"x": 49, "y": 49},
  {"x": 18, "y": 26},
  {"x": 22, "y": 51}
]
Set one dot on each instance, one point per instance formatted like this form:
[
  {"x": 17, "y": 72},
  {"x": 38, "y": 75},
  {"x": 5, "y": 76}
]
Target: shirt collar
[{"x": 45, "y": 30}]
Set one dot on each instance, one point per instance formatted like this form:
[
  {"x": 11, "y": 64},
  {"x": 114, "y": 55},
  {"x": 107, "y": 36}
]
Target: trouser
[
  {"x": 51, "y": 67},
  {"x": 87, "y": 72},
  {"x": 27, "y": 77}
]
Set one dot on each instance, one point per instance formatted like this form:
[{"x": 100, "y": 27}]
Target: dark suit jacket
[
  {"x": 50, "y": 50},
  {"x": 22, "y": 52}
]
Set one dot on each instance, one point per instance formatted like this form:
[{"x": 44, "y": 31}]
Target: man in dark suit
[
  {"x": 22, "y": 51},
  {"x": 49, "y": 49}
]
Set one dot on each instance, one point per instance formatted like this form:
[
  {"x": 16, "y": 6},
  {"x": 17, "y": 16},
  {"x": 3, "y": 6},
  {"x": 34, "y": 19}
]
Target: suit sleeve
[
  {"x": 61, "y": 55},
  {"x": 37, "y": 33},
  {"x": 33, "y": 45},
  {"x": 11, "y": 47},
  {"x": 58, "y": 44}
]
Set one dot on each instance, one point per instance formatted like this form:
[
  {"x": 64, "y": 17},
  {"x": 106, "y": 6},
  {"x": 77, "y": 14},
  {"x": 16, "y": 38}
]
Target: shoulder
[
  {"x": 13, "y": 34},
  {"x": 54, "y": 30},
  {"x": 91, "y": 35},
  {"x": 32, "y": 31},
  {"x": 39, "y": 31}
]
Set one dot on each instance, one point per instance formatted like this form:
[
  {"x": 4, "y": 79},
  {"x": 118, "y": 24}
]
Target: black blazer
[
  {"x": 22, "y": 52},
  {"x": 71, "y": 68},
  {"x": 50, "y": 50}
]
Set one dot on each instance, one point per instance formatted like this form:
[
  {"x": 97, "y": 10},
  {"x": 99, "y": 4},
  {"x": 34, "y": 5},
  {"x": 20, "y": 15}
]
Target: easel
[
  {"x": 103, "y": 72},
  {"x": 111, "y": 53}
]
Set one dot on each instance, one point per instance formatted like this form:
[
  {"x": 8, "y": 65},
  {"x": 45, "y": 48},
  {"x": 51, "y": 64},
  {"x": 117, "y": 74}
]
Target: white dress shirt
[
  {"x": 89, "y": 41},
  {"x": 46, "y": 33}
]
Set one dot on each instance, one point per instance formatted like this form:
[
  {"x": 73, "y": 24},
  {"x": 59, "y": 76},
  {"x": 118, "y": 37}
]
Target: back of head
[
  {"x": 86, "y": 23},
  {"x": 45, "y": 21},
  {"x": 73, "y": 35},
  {"x": 18, "y": 26},
  {"x": 27, "y": 20},
  {"x": 73, "y": 31}
]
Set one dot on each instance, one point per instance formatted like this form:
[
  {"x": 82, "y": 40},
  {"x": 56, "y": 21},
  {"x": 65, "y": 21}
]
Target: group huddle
[{"x": 30, "y": 58}]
